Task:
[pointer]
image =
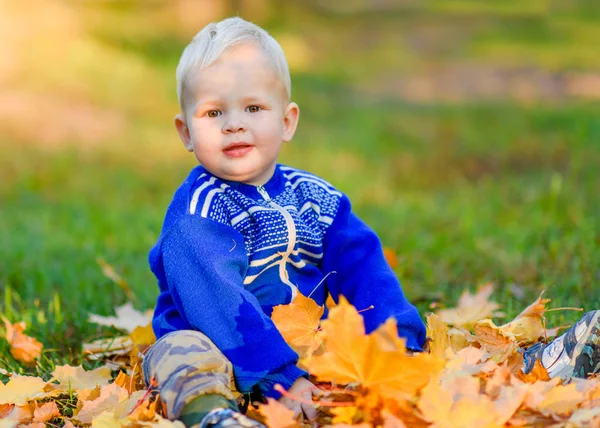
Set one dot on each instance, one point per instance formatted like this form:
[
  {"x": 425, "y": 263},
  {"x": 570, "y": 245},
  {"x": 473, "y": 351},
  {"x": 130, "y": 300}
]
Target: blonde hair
[{"x": 216, "y": 38}]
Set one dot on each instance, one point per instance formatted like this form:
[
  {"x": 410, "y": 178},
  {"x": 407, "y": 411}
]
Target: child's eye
[
  {"x": 253, "y": 109},
  {"x": 213, "y": 113}
]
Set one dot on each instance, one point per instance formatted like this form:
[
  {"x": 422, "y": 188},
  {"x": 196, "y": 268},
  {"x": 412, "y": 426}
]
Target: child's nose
[{"x": 233, "y": 123}]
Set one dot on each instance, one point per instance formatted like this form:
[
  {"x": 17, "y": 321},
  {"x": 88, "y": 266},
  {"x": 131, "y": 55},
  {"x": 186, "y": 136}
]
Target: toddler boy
[{"x": 244, "y": 234}]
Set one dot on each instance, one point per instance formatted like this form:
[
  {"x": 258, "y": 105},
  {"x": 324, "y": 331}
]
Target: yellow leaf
[
  {"x": 459, "y": 403},
  {"x": 437, "y": 331},
  {"x": 76, "y": 378},
  {"x": 277, "y": 415},
  {"x": 471, "y": 308},
  {"x": 298, "y": 323},
  {"x": 143, "y": 412},
  {"x": 142, "y": 338},
  {"x": 24, "y": 348},
  {"x": 21, "y": 389},
  {"x": 561, "y": 400},
  {"x": 527, "y": 327},
  {"x": 343, "y": 415},
  {"x": 106, "y": 419},
  {"x": 376, "y": 361}
]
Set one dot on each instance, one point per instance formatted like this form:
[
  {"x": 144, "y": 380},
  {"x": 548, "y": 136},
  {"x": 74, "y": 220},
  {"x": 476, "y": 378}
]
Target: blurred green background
[{"x": 466, "y": 133}]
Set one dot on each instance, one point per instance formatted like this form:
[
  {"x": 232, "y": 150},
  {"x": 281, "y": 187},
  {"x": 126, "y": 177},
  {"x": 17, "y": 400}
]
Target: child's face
[{"x": 237, "y": 116}]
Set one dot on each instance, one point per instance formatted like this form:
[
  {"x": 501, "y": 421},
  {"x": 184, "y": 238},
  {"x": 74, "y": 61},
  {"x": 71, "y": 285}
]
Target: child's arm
[
  {"x": 363, "y": 276},
  {"x": 204, "y": 265}
]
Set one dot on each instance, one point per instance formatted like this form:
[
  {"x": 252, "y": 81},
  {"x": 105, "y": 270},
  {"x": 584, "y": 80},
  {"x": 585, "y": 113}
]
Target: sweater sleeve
[
  {"x": 204, "y": 264},
  {"x": 363, "y": 276}
]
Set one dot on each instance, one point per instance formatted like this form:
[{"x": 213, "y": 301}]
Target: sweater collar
[{"x": 273, "y": 187}]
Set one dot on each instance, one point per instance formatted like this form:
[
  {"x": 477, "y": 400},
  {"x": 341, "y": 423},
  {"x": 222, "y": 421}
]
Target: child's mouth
[{"x": 236, "y": 150}]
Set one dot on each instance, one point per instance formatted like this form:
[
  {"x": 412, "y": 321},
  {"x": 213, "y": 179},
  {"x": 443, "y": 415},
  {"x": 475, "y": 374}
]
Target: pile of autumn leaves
[{"x": 470, "y": 376}]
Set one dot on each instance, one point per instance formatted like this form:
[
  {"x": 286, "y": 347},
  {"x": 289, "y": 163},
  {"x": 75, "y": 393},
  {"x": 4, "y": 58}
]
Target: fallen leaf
[
  {"x": 277, "y": 415},
  {"x": 437, "y": 331},
  {"x": 76, "y": 378},
  {"x": 21, "y": 414},
  {"x": 352, "y": 356},
  {"x": 106, "y": 419},
  {"x": 108, "y": 347},
  {"x": 527, "y": 327},
  {"x": 298, "y": 323},
  {"x": 111, "y": 397},
  {"x": 142, "y": 338},
  {"x": 390, "y": 421},
  {"x": 561, "y": 400},
  {"x": 498, "y": 344},
  {"x": 471, "y": 308},
  {"x": 21, "y": 389},
  {"x": 538, "y": 373},
  {"x": 22, "y": 347},
  {"x": 127, "y": 318},
  {"x": 143, "y": 412},
  {"x": 343, "y": 415},
  {"x": 46, "y": 412}
]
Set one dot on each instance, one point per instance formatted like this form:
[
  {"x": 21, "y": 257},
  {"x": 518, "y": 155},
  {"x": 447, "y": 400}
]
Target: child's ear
[
  {"x": 290, "y": 121},
  {"x": 184, "y": 132}
]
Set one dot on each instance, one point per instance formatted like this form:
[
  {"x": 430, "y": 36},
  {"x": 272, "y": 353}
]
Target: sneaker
[
  {"x": 576, "y": 353},
  {"x": 221, "y": 418}
]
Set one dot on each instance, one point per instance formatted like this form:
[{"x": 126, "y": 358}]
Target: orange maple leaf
[
  {"x": 298, "y": 323},
  {"x": 277, "y": 415},
  {"x": 471, "y": 308},
  {"x": 378, "y": 361},
  {"x": 46, "y": 411},
  {"x": 24, "y": 348}
]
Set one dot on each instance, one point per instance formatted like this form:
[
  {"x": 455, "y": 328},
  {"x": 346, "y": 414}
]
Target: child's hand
[{"x": 305, "y": 389}]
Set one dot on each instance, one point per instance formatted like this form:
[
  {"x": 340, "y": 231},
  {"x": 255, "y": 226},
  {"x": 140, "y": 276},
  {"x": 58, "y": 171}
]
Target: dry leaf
[
  {"x": 108, "y": 347},
  {"x": 561, "y": 400},
  {"x": 143, "y": 412},
  {"x": 142, "y": 338},
  {"x": 437, "y": 331},
  {"x": 471, "y": 308},
  {"x": 21, "y": 414},
  {"x": 498, "y": 344},
  {"x": 527, "y": 327},
  {"x": 277, "y": 415},
  {"x": 21, "y": 389},
  {"x": 22, "y": 347},
  {"x": 111, "y": 397},
  {"x": 343, "y": 415},
  {"x": 127, "y": 318},
  {"x": 538, "y": 373},
  {"x": 106, "y": 419},
  {"x": 351, "y": 356},
  {"x": 298, "y": 323},
  {"x": 76, "y": 378},
  {"x": 46, "y": 412}
]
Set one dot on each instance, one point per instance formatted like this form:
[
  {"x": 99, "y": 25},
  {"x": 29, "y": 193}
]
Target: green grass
[{"x": 465, "y": 194}]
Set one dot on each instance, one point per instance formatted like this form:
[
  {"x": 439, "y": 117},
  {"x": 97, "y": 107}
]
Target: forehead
[{"x": 241, "y": 70}]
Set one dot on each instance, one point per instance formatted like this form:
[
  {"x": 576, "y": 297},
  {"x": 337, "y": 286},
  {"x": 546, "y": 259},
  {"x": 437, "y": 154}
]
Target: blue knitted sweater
[{"x": 229, "y": 252}]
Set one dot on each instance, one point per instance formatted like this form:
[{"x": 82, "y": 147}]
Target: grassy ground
[{"x": 486, "y": 191}]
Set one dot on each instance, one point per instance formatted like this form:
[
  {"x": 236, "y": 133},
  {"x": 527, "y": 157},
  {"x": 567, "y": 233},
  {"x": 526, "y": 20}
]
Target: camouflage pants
[{"x": 186, "y": 364}]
